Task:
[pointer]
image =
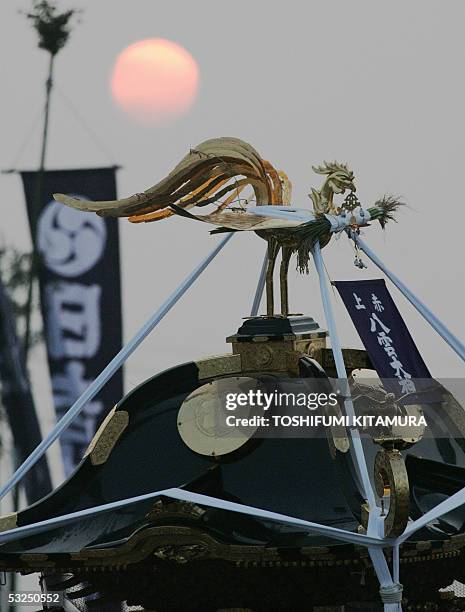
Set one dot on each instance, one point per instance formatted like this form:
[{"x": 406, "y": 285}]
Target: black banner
[
  {"x": 385, "y": 336},
  {"x": 18, "y": 402},
  {"x": 79, "y": 276}
]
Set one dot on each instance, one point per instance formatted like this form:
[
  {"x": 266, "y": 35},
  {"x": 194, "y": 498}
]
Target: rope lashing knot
[
  {"x": 345, "y": 219},
  {"x": 391, "y": 593}
]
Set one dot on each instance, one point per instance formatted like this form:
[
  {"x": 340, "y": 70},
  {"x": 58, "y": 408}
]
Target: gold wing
[{"x": 215, "y": 172}]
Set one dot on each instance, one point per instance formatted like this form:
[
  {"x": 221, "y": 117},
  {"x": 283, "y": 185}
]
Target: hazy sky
[{"x": 377, "y": 84}]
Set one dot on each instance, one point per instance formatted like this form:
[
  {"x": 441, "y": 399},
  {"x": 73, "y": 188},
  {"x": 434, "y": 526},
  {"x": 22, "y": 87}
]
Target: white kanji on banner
[
  {"x": 67, "y": 387},
  {"x": 74, "y": 327}
]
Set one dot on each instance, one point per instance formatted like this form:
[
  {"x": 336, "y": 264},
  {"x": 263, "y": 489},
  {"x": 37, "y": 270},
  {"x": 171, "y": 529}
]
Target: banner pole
[
  {"x": 111, "y": 368},
  {"x": 53, "y": 30},
  {"x": 425, "y": 312},
  {"x": 36, "y": 205},
  {"x": 260, "y": 286}
]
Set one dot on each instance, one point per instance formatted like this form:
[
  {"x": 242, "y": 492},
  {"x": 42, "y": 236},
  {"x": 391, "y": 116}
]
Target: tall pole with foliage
[{"x": 53, "y": 29}]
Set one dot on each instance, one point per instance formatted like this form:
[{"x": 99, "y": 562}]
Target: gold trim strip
[
  {"x": 8, "y": 521},
  {"x": 107, "y": 436},
  {"x": 219, "y": 365}
]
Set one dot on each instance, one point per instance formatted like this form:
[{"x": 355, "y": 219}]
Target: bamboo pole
[{"x": 36, "y": 206}]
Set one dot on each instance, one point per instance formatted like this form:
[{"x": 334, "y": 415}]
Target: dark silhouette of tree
[{"x": 52, "y": 27}]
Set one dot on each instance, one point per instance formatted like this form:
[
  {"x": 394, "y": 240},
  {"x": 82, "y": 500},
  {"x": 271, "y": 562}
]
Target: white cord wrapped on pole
[{"x": 391, "y": 594}]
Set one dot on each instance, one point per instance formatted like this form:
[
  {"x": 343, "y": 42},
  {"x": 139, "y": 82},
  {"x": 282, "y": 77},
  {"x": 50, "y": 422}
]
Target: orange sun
[{"x": 155, "y": 80}]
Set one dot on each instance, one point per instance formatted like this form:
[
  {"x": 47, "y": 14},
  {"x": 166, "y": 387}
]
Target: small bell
[{"x": 359, "y": 263}]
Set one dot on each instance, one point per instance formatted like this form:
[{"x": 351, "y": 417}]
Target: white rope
[
  {"x": 455, "y": 501},
  {"x": 390, "y": 591},
  {"x": 425, "y": 312},
  {"x": 110, "y": 369},
  {"x": 458, "y": 499},
  {"x": 196, "y": 498},
  {"x": 260, "y": 286},
  {"x": 395, "y": 562},
  {"x": 342, "y": 374},
  {"x": 375, "y": 520}
]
